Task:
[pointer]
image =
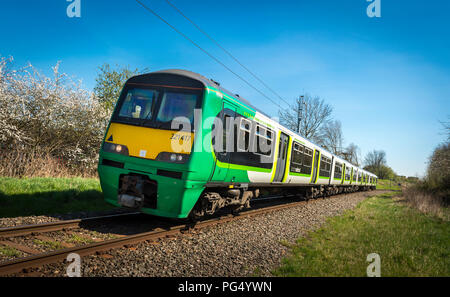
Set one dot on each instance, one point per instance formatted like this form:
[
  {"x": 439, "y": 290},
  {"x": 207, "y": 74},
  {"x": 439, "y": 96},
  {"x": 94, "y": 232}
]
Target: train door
[
  {"x": 351, "y": 174},
  {"x": 315, "y": 166},
  {"x": 282, "y": 157},
  {"x": 222, "y": 150},
  {"x": 331, "y": 171}
]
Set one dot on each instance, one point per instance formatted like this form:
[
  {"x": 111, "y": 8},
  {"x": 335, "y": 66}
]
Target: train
[{"x": 178, "y": 145}]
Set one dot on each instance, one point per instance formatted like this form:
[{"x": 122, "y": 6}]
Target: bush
[
  {"x": 431, "y": 195},
  {"x": 438, "y": 173},
  {"x": 427, "y": 202},
  {"x": 48, "y": 126}
]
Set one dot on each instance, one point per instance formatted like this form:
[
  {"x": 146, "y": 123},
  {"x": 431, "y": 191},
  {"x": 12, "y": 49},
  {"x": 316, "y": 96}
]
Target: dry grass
[
  {"x": 20, "y": 164},
  {"x": 427, "y": 202}
]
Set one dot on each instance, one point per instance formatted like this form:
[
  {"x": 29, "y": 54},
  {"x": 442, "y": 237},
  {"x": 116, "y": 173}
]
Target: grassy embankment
[
  {"x": 385, "y": 184},
  {"x": 46, "y": 196},
  {"x": 409, "y": 243}
]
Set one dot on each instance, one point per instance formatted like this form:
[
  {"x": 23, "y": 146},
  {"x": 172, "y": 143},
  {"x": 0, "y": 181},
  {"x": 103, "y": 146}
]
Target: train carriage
[{"x": 180, "y": 145}]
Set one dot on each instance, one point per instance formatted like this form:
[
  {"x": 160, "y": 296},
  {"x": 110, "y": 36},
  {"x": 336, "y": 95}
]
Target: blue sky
[{"x": 388, "y": 78}]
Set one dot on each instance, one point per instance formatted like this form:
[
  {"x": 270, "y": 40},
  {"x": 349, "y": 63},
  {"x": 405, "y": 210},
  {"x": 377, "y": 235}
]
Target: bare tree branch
[{"x": 314, "y": 113}]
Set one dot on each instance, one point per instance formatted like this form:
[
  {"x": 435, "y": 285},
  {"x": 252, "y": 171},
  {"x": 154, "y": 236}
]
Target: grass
[
  {"x": 46, "y": 196},
  {"x": 9, "y": 251},
  {"x": 79, "y": 239},
  {"x": 385, "y": 184},
  {"x": 54, "y": 245},
  {"x": 409, "y": 243}
]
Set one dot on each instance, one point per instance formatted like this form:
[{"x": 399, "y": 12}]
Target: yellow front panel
[{"x": 147, "y": 143}]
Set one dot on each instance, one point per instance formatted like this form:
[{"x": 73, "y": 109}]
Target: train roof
[
  {"x": 207, "y": 82},
  {"x": 212, "y": 83}
]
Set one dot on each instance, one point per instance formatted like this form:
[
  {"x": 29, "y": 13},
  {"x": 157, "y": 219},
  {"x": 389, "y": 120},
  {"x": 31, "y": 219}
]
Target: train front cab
[{"x": 144, "y": 162}]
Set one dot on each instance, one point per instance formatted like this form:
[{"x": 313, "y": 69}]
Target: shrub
[
  {"x": 438, "y": 173},
  {"x": 48, "y": 125}
]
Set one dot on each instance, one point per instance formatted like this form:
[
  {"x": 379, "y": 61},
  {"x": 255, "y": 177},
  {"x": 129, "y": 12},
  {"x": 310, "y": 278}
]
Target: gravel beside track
[{"x": 246, "y": 247}]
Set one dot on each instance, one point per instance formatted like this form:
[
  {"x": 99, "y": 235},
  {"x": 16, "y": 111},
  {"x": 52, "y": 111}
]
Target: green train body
[{"x": 177, "y": 143}]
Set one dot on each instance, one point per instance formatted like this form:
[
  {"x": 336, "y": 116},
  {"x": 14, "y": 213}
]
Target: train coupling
[
  {"x": 130, "y": 201},
  {"x": 137, "y": 191}
]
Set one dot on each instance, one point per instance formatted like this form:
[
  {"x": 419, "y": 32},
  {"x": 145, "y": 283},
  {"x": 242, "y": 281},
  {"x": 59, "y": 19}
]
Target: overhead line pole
[{"x": 299, "y": 113}]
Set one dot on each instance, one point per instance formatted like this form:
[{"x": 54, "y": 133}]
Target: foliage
[
  {"x": 428, "y": 202},
  {"x": 382, "y": 171},
  {"x": 438, "y": 172},
  {"x": 375, "y": 162},
  {"x": 109, "y": 83},
  {"x": 47, "y": 116}
]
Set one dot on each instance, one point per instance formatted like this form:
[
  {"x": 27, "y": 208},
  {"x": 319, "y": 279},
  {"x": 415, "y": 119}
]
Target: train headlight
[
  {"x": 115, "y": 148},
  {"x": 172, "y": 157}
]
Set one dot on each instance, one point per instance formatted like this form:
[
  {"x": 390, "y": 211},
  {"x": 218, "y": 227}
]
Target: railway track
[
  {"x": 27, "y": 264},
  {"x": 55, "y": 226}
]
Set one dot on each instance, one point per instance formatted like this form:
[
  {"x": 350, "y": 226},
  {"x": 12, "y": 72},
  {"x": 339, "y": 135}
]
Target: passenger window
[
  {"x": 244, "y": 135},
  {"x": 263, "y": 141}
]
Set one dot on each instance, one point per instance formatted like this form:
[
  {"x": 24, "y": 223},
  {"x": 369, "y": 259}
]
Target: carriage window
[
  {"x": 301, "y": 158},
  {"x": 325, "y": 167},
  {"x": 226, "y": 132},
  {"x": 348, "y": 172},
  {"x": 338, "y": 170},
  {"x": 263, "y": 141},
  {"x": 244, "y": 135},
  {"x": 296, "y": 158},
  {"x": 297, "y": 154},
  {"x": 354, "y": 176},
  {"x": 307, "y": 160},
  {"x": 307, "y": 157}
]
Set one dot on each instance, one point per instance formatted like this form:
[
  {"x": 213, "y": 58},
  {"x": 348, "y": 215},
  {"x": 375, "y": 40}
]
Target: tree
[
  {"x": 331, "y": 137},
  {"x": 314, "y": 113},
  {"x": 352, "y": 153},
  {"x": 375, "y": 162},
  {"x": 375, "y": 158},
  {"x": 109, "y": 83},
  {"x": 438, "y": 172}
]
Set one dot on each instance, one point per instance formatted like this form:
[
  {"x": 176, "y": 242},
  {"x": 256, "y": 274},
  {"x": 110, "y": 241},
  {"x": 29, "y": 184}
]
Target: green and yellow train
[{"x": 179, "y": 145}]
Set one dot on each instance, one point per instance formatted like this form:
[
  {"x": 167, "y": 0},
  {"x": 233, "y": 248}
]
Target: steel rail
[{"x": 54, "y": 226}]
